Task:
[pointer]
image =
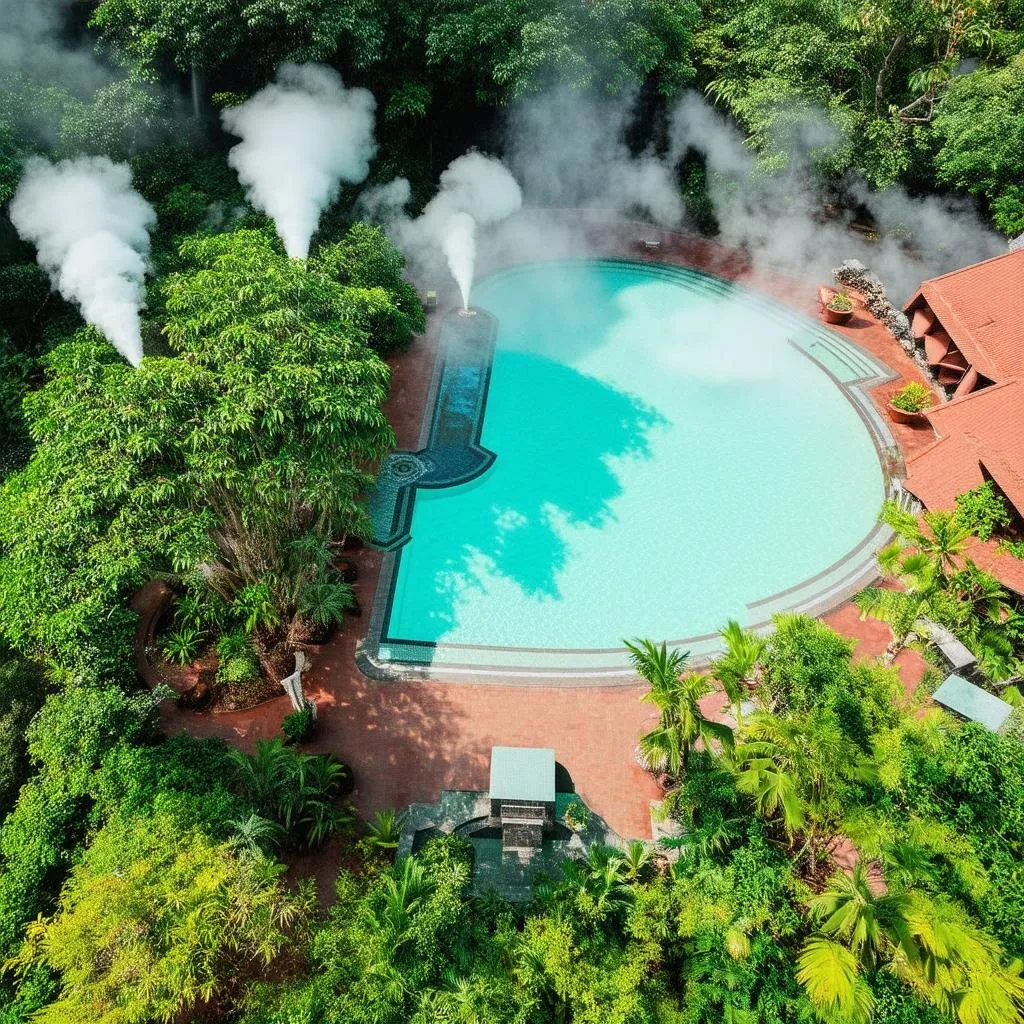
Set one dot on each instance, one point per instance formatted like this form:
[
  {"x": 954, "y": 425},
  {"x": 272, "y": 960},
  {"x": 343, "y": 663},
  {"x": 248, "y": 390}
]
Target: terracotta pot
[
  {"x": 912, "y": 419},
  {"x": 836, "y": 316}
]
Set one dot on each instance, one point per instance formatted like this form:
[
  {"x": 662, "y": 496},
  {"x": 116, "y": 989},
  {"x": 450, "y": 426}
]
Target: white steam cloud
[
  {"x": 569, "y": 150},
  {"x": 577, "y": 151},
  {"x": 459, "y": 246},
  {"x": 91, "y": 229},
  {"x": 787, "y": 221},
  {"x": 475, "y": 190},
  {"x": 302, "y": 136},
  {"x": 31, "y": 43}
]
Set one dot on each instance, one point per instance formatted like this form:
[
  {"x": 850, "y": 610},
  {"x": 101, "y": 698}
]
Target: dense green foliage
[
  {"x": 752, "y": 923},
  {"x": 138, "y": 873},
  {"x": 242, "y": 454},
  {"x": 938, "y": 582},
  {"x": 156, "y": 901}
]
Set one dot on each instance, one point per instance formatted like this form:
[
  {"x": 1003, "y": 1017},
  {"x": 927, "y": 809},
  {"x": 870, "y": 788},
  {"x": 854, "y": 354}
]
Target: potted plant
[
  {"x": 839, "y": 308},
  {"x": 909, "y": 404}
]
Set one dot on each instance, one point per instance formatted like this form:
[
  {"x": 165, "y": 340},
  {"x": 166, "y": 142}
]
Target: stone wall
[{"x": 853, "y": 274}]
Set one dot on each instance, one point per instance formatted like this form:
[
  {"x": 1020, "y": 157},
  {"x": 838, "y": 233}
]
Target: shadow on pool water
[{"x": 557, "y": 474}]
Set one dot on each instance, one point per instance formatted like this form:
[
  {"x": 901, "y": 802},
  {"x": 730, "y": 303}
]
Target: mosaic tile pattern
[{"x": 453, "y": 454}]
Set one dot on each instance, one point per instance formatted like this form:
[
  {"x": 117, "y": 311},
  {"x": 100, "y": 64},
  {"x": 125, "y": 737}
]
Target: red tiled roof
[
  {"x": 1007, "y": 568},
  {"x": 982, "y": 308},
  {"x": 981, "y": 432}
]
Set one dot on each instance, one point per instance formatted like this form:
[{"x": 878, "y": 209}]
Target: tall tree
[
  {"x": 738, "y": 668},
  {"x": 511, "y": 51},
  {"x": 981, "y": 133},
  {"x": 158, "y": 920},
  {"x": 799, "y": 769},
  {"x": 234, "y": 460}
]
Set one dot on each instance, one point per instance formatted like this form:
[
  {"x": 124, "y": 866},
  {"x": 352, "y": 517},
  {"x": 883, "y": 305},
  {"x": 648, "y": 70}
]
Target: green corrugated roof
[
  {"x": 523, "y": 773},
  {"x": 973, "y": 702}
]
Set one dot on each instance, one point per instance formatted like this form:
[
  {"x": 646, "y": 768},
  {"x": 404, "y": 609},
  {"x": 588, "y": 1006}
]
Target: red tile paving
[{"x": 408, "y": 741}]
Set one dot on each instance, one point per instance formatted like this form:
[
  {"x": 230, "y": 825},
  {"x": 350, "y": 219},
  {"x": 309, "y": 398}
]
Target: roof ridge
[{"x": 956, "y": 402}]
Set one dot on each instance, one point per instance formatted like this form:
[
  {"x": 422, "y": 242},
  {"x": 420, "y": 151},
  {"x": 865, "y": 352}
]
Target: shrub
[
  {"x": 298, "y": 791},
  {"x": 914, "y": 397},
  {"x": 384, "y": 829},
  {"x": 237, "y": 659},
  {"x": 982, "y": 510},
  {"x": 840, "y": 302},
  {"x": 298, "y": 726},
  {"x": 22, "y": 691},
  {"x": 577, "y": 816},
  {"x": 126, "y": 942},
  {"x": 182, "y": 645}
]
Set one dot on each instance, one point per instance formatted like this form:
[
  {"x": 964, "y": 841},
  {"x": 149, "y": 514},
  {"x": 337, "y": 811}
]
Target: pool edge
[{"x": 610, "y": 666}]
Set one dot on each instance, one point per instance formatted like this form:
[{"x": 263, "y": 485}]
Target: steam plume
[
  {"x": 475, "y": 190},
  {"x": 779, "y": 218},
  {"x": 459, "y": 245},
  {"x": 92, "y": 232},
  {"x": 302, "y": 136},
  {"x": 569, "y": 150},
  {"x": 31, "y": 44}
]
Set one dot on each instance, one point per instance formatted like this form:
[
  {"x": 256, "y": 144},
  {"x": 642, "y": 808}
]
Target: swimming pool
[{"x": 621, "y": 449}]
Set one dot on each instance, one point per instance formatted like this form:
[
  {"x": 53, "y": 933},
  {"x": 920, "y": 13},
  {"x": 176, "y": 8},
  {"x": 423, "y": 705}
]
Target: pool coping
[{"x": 860, "y": 560}]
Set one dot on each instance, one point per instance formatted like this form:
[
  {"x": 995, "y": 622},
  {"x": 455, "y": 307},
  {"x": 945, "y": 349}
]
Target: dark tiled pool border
[{"x": 541, "y": 663}]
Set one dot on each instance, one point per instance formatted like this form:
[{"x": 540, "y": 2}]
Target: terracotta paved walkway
[{"x": 408, "y": 741}]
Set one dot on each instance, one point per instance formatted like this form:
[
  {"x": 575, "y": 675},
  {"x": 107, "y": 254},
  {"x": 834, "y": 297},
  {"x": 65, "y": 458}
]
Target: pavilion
[{"x": 970, "y": 326}]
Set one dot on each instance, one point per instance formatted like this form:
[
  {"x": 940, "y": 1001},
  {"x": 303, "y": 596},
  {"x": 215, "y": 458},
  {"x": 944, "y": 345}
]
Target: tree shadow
[{"x": 559, "y": 435}]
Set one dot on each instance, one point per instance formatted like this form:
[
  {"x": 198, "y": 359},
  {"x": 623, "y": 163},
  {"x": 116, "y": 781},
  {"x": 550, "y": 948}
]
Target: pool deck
[{"x": 408, "y": 741}]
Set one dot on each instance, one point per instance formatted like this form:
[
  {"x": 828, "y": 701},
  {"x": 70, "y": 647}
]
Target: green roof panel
[
  {"x": 523, "y": 773},
  {"x": 973, "y": 702}
]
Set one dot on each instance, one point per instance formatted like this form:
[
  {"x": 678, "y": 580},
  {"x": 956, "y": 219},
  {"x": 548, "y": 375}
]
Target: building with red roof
[{"x": 970, "y": 325}]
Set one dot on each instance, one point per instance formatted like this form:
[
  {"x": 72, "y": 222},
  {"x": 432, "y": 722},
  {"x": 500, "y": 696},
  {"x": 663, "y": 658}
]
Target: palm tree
[
  {"x": 324, "y": 601},
  {"x": 830, "y": 974},
  {"x": 676, "y": 694},
  {"x": 636, "y": 860},
  {"x": 255, "y": 834},
  {"x": 959, "y": 967},
  {"x": 905, "y": 610},
  {"x": 986, "y": 596},
  {"x": 737, "y": 669},
  {"x": 868, "y": 923},
  {"x": 929, "y": 943},
  {"x": 401, "y": 893},
  {"x": 384, "y": 829},
  {"x": 600, "y": 880},
  {"x": 938, "y": 535},
  {"x": 937, "y": 581},
  {"x": 794, "y": 767},
  {"x": 924, "y": 558}
]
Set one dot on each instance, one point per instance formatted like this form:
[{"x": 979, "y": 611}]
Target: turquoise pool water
[{"x": 667, "y": 456}]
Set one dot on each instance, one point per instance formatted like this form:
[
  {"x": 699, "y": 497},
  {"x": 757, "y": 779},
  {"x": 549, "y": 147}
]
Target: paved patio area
[{"x": 409, "y": 741}]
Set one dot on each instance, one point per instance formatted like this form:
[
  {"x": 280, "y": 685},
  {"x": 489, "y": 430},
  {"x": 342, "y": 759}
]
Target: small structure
[
  {"x": 522, "y": 796},
  {"x": 972, "y": 702},
  {"x": 970, "y": 323},
  {"x": 957, "y": 655}
]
